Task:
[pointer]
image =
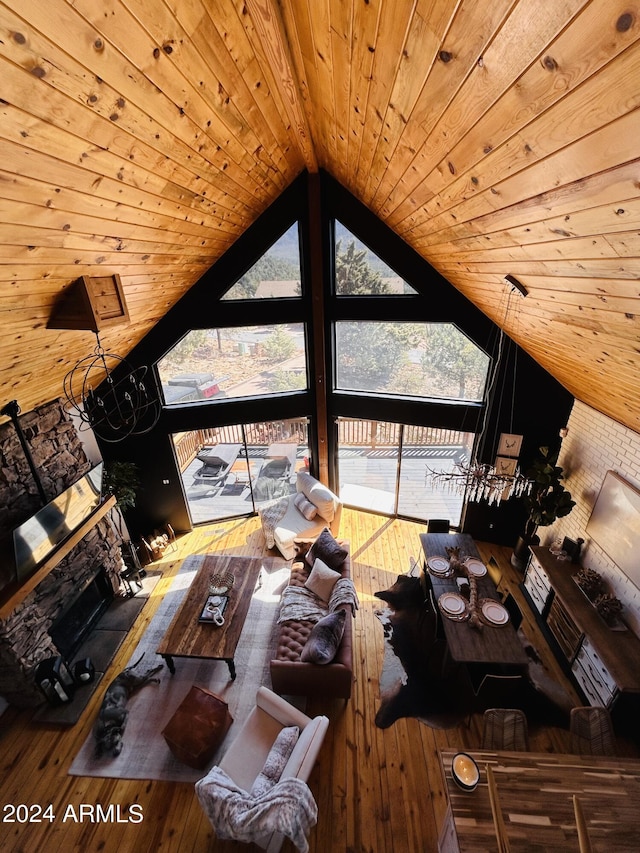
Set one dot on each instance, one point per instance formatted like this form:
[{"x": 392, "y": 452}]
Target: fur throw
[{"x": 288, "y": 807}]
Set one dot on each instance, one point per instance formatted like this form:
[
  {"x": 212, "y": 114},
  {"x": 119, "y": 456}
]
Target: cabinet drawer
[
  {"x": 539, "y": 599},
  {"x": 586, "y": 684},
  {"x": 539, "y": 576},
  {"x": 595, "y": 662},
  {"x": 590, "y": 680}
]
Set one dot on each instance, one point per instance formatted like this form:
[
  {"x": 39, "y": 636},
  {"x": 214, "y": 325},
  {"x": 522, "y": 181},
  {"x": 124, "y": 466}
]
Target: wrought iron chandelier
[
  {"x": 109, "y": 396},
  {"x": 481, "y": 481}
]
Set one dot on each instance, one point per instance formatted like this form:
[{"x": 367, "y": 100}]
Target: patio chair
[{"x": 216, "y": 465}]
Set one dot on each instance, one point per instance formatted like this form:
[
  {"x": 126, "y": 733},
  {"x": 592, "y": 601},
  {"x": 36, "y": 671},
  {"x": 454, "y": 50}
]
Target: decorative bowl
[
  {"x": 465, "y": 771},
  {"x": 220, "y": 582}
]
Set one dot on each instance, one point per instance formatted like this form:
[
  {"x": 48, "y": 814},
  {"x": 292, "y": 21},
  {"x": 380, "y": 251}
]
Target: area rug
[
  {"x": 145, "y": 754},
  {"x": 414, "y": 681}
]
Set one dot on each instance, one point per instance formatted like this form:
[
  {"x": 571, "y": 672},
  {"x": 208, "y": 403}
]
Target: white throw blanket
[
  {"x": 270, "y": 515},
  {"x": 288, "y": 807},
  {"x": 299, "y": 603}
]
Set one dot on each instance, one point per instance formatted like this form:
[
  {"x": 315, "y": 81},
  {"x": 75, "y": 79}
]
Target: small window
[
  {"x": 426, "y": 360},
  {"x": 232, "y": 363},
  {"x": 360, "y": 272},
  {"x": 276, "y": 275}
]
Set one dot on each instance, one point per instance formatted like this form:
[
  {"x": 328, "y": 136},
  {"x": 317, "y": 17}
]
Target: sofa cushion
[
  {"x": 324, "y": 639},
  {"x": 308, "y": 509},
  {"x": 319, "y": 495},
  {"x": 275, "y": 761},
  {"x": 322, "y": 580},
  {"x": 327, "y": 549}
]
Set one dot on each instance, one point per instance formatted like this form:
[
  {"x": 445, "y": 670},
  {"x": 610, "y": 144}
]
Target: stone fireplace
[
  {"x": 81, "y": 614},
  {"x": 26, "y": 632}
]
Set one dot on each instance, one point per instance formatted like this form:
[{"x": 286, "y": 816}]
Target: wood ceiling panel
[{"x": 142, "y": 137}]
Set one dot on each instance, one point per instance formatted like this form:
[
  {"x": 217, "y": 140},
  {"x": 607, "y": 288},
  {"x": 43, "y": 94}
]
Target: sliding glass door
[
  {"x": 231, "y": 471},
  {"x": 384, "y": 468}
]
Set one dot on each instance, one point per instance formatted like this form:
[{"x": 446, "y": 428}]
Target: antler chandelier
[
  {"x": 479, "y": 481},
  {"x": 109, "y": 396}
]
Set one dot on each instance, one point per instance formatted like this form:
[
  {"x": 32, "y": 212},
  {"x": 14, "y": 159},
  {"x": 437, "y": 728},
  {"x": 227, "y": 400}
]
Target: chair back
[
  {"x": 438, "y": 525},
  {"x": 505, "y": 728},
  {"x": 592, "y": 731}
]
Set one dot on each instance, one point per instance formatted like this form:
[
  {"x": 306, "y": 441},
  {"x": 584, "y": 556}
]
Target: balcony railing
[{"x": 358, "y": 433}]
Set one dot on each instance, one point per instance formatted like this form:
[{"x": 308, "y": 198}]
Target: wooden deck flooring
[{"x": 377, "y": 790}]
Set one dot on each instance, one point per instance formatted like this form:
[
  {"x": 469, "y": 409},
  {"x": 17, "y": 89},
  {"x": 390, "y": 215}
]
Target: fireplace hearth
[{"x": 78, "y": 619}]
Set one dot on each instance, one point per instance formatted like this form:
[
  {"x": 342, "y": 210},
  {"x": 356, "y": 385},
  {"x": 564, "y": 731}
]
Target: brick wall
[{"x": 594, "y": 445}]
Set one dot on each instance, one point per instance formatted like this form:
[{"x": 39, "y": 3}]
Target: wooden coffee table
[{"x": 187, "y": 637}]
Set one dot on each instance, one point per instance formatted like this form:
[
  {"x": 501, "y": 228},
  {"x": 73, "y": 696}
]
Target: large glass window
[
  {"x": 247, "y": 361},
  {"x": 426, "y": 360},
  {"x": 360, "y": 272},
  {"x": 383, "y": 467},
  {"x": 275, "y": 275},
  {"x": 232, "y": 470}
]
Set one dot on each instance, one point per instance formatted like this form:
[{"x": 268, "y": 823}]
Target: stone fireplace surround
[{"x": 60, "y": 459}]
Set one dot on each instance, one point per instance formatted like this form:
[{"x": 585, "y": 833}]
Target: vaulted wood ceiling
[{"x": 141, "y": 137}]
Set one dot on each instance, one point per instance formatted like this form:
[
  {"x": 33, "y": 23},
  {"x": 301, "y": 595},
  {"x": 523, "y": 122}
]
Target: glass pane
[
  {"x": 425, "y": 448},
  {"x": 426, "y": 360},
  {"x": 360, "y": 272},
  {"x": 229, "y": 471},
  {"x": 368, "y": 464},
  {"x": 275, "y": 275},
  {"x": 247, "y": 361}
]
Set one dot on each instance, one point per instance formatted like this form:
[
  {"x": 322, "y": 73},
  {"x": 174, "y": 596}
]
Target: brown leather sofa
[{"x": 293, "y": 677}]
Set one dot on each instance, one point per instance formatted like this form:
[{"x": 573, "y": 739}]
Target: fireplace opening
[{"x": 73, "y": 625}]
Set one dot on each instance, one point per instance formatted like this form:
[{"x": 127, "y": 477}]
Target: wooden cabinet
[{"x": 602, "y": 661}]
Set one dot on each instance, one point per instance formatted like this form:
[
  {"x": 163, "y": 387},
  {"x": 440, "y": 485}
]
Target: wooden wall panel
[{"x": 142, "y": 137}]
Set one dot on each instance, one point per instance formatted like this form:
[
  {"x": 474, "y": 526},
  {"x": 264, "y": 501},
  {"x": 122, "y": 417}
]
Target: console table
[{"x": 603, "y": 661}]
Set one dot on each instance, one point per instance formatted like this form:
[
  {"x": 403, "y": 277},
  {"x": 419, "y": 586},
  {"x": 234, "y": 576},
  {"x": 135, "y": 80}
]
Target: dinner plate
[
  {"x": 438, "y": 565},
  {"x": 476, "y": 567},
  {"x": 452, "y": 603},
  {"x": 494, "y": 612}
]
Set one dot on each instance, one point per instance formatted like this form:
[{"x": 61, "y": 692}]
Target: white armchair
[
  {"x": 290, "y": 523},
  {"x": 248, "y": 752}
]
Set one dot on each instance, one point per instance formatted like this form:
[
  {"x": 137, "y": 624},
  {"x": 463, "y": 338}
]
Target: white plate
[
  {"x": 452, "y": 603},
  {"x": 476, "y": 567},
  {"x": 439, "y": 565},
  {"x": 494, "y": 612}
]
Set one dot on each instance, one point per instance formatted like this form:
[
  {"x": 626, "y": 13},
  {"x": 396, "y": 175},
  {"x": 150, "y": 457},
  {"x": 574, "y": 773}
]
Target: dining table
[{"x": 486, "y": 644}]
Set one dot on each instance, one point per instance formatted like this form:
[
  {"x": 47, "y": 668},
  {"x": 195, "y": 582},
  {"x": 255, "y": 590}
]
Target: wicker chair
[
  {"x": 505, "y": 728},
  {"x": 592, "y": 731}
]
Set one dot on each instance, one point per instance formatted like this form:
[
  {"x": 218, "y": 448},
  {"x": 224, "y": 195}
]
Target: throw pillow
[
  {"x": 324, "y": 639},
  {"x": 327, "y": 549},
  {"x": 306, "y": 507},
  {"x": 276, "y": 761},
  {"x": 322, "y": 580},
  {"x": 319, "y": 495}
]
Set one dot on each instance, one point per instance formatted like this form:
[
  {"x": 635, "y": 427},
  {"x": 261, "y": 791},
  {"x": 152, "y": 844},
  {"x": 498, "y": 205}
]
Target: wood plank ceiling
[{"x": 141, "y": 137}]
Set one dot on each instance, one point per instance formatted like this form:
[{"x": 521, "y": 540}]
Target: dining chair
[
  {"x": 495, "y": 573},
  {"x": 515, "y": 614},
  {"x": 592, "y": 731},
  {"x": 505, "y": 728},
  {"x": 499, "y": 691},
  {"x": 438, "y": 525}
]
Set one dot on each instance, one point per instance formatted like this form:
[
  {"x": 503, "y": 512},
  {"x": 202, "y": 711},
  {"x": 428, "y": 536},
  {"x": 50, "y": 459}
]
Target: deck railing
[{"x": 357, "y": 433}]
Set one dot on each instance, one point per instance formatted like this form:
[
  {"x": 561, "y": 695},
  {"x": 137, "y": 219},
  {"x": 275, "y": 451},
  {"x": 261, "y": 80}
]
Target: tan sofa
[
  {"x": 293, "y": 524},
  {"x": 294, "y": 677}
]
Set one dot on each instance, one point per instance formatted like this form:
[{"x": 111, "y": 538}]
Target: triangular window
[
  {"x": 275, "y": 275},
  {"x": 360, "y": 272}
]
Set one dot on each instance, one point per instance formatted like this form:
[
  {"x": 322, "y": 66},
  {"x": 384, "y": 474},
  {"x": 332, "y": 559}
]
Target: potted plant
[
  {"x": 122, "y": 481},
  {"x": 546, "y": 501}
]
